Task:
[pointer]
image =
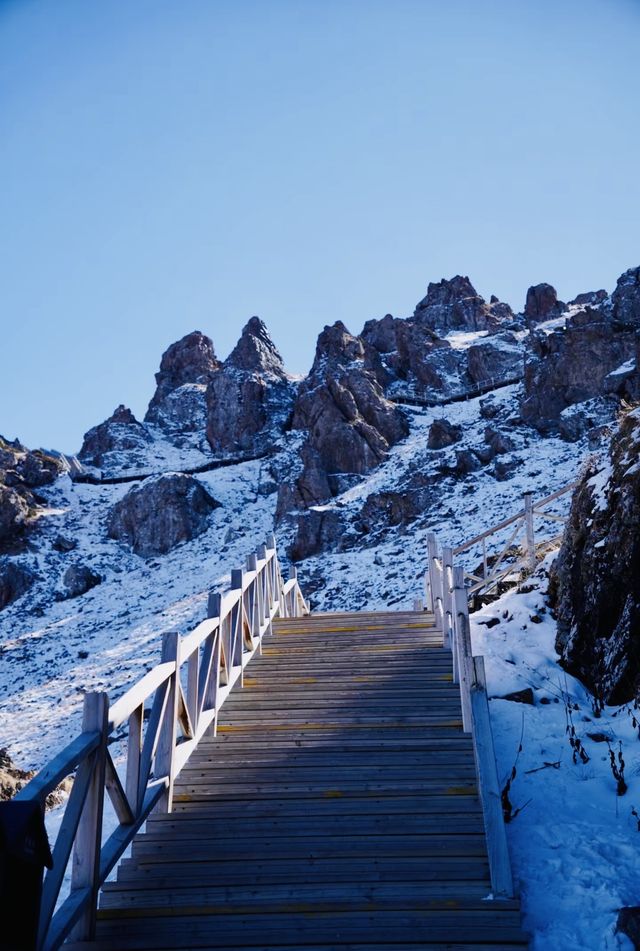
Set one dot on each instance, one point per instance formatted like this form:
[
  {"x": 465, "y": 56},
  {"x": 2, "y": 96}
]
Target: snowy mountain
[{"x": 439, "y": 422}]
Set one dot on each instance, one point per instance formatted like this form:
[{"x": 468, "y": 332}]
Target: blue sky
[{"x": 170, "y": 166}]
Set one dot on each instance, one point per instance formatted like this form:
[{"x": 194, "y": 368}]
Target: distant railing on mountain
[
  {"x": 88, "y": 478},
  {"x": 468, "y": 393},
  {"x": 524, "y": 547},
  {"x": 179, "y": 700}
]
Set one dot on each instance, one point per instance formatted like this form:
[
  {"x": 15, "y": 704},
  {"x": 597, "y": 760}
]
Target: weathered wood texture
[{"x": 335, "y": 808}]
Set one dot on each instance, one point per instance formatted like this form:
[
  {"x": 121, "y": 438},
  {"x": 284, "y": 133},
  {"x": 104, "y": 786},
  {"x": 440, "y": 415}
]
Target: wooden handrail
[
  {"x": 468, "y": 672},
  {"x": 214, "y": 656}
]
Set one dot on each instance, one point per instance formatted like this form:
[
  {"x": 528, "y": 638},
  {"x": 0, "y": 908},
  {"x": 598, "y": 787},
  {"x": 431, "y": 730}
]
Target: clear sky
[{"x": 171, "y": 166}]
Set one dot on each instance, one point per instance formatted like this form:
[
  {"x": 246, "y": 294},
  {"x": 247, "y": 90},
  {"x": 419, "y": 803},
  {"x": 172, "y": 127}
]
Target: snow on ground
[{"x": 575, "y": 846}]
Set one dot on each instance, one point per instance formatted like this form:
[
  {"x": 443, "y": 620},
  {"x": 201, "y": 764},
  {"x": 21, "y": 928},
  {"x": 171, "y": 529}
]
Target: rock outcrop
[
  {"x": 595, "y": 583},
  {"x": 160, "y": 513},
  {"x": 186, "y": 369},
  {"x": 22, "y": 473},
  {"x": 442, "y": 433},
  {"x": 15, "y": 580},
  {"x": 456, "y": 305},
  {"x": 121, "y": 433},
  {"x": 341, "y": 404},
  {"x": 542, "y": 304},
  {"x": 588, "y": 299},
  {"x": 574, "y": 364},
  {"x": 498, "y": 357},
  {"x": 249, "y": 401}
]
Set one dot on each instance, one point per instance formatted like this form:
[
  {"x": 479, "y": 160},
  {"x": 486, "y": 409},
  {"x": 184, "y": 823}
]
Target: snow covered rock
[
  {"x": 249, "y": 401},
  {"x": 14, "y": 510},
  {"x": 456, "y": 305},
  {"x": 625, "y": 300},
  {"x": 499, "y": 356},
  {"x": 542, "y": 304},
  {"x": 160, "y": 513},
  {"x": 186, "y": 368},
  {"x": 409, "y": 352},
  {"x": 596, "y": 577},
  {"x": 588, "y": 299},
  {"x": 121, "y": 433}
]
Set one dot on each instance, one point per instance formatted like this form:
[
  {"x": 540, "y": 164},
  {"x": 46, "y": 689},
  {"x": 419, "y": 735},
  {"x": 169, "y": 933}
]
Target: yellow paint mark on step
[
  {"x": 461, "y": 791},
  {"x": 332, "y": 794}
]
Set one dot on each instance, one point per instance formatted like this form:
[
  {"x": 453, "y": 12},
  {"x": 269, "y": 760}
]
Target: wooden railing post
[
  {"x": 85, "y": 872},
  {"x": 530, "y": 533},
  {"x": 236, "y": 619},
  {"x": 463, "y": 645},
  {"x": 292, "y": 608},
  {"x": 164, "y": 761},
  {"x": 447, "y": 596}
]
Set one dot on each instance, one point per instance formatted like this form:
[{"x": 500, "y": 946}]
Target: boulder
[
  {"x": 38, "y": 468},
  {"x": 442, "y": 433},
  {"x": 542, "y": 304},
  {"x": 498, "y": 441},
  {"x": 310, "y": 486},
  {"x": 625, "y": 300},
  {"x": 595, "y": 580},
  {"x": 77, "y": 580},
  {"x": 466, "y": 462},
  {"x": 186, "y": 368},
  {"x": 160, "y": 513},
  {"x": 15, "y": 580},
  {"x": 120, "y": 433},
  {"x": 504, "y": 469},
  {"x": 456, "y": 305},
  {"x": 249, "y": 401}
]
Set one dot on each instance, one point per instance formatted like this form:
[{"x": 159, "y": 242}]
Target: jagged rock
[
  {"x": 579, "y": 419},
  {"x": 38, "y": 468},
  {"x": 442, "y": 433},
  {"x": 571, "y": 365},
  {"x": 120, "y": 433},
  {"x": 77, "y": 580},
  {"x": 456, "y": 305},
  {"x": 13, "y": 779},
  {"x": 186, "y": 369},
  {"x": 14, "y": 510},
  {"x": 160, "y": 513},
  {"x": 384, "y": 509},
  {"x": 542, "y": 304},
  {"x": 350, "y": 423},
  {"x": 15, "y": 580},
  {"x": 410, "y": 353},
  {"x": 498, "y": 441},
  {"x": 318, "y": 530},
  {"x": 588, "y": 299},
  {"x": 595, "y": 581},
  {"x": 249, "y": 401},
  {"x": 499, "y": 357},
  {"x": 489, "y": 408}
]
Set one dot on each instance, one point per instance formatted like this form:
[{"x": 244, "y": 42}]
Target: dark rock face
[
  {"x": 625, "y": 300},
  {"x": 405, "y": 350},
  {"x": 77, "y": 580},
  {"x": 570, "y": 365},
  {"x": 317, "y": 531},
  {"x": 442, "y": 433},
  {"x": 15, "y": 580},
  {"x": 186, "y": 369},
  {"x": 120, "y": 433},
  {"x": 249, "y": 401},
  {"x": 310, "y": 487},
  {"x": 160, "y": 513},
  {"x": 350, "y": 423},
  {"x": 498, "y": 441},
  {"x": 542, "y": 304},
  {"x": 456, "y": 305},
  {"x": 595, "y": 582},
  {"x": 14, "y": 510},
  {"x": 498, "y": 357}
]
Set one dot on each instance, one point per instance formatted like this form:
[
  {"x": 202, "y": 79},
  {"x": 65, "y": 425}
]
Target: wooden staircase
[{"x": 336, "y": 807}]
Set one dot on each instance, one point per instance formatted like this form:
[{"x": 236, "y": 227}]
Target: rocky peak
[
  {"x": 187, "y": 362},
  {"x": 256, "y": 352},
  {"x": 626, "y": 298},
  {"x": 588, "y": 299},
  {"x": 336, "y": 345},
  {"x": 542, "y": 304},
  {"x": 122, "y": 414},
  {"x": 121, "y": 432},
  {"x": 456, "y": 305}
]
